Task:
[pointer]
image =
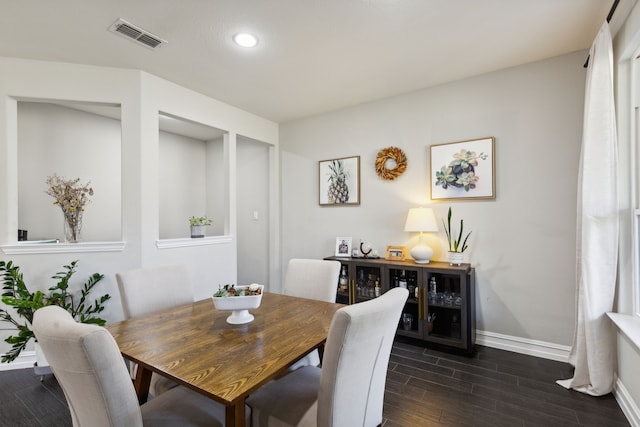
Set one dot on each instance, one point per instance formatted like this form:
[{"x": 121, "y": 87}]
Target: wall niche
[
  {"x": 72, "y": 140},
  {"x": 192, "y": 178}
]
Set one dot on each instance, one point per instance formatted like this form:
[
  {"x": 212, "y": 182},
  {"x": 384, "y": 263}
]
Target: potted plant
[
  {"x": 456, "y": 246},
  {"x": 198, "y": 223},
  {"x": 25, "y": 303}
]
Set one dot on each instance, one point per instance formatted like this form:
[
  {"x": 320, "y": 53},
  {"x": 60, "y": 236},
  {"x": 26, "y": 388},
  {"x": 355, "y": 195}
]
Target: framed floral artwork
[
  {"x": 339, "y": 181},
  {"x": 463, "y": 170}
]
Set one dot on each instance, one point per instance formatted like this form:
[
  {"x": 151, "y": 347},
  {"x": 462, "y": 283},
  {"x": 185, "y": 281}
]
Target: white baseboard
[
  {"x": 628, "y": 406},
  {"x": 536, "y": 348},
  {"x": 26, "y": 359}
]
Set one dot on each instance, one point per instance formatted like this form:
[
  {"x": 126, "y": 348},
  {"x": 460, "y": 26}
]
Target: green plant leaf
[
  {"x": 25, "y": 303},
  {"x": 455, "y": 245}
]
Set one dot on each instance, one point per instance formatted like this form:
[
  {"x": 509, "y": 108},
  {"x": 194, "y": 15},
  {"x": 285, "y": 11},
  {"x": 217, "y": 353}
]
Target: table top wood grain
[{"x": 195, "y": 346}]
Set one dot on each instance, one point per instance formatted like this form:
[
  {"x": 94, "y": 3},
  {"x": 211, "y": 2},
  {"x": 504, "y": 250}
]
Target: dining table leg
[
  {"x": 142, "y": 383},
  {"x": 235, "y": 415}
]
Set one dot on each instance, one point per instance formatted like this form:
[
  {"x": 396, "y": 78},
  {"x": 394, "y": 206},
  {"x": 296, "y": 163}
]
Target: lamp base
[{"x": 422, "y": 253}]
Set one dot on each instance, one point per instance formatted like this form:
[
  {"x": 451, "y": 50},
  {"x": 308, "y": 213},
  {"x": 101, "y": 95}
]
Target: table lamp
[{"x": 421, "y": 220}]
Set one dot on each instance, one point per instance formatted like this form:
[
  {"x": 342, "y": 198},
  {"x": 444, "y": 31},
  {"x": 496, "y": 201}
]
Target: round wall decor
[{"x": 391, "y": 162}]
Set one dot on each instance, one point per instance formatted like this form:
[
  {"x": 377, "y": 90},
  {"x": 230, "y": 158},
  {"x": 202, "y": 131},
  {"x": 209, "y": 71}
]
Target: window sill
[
  {"x": 629, "y": 325},
  {"x": 188, "y": 242},
  {"x": 57, "y": 248}
]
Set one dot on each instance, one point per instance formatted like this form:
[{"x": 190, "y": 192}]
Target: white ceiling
[{"x": 313, "y": 56}]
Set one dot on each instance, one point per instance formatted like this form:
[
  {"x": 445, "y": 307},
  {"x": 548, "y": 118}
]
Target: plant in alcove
[
  {"x": 198, "y": 223},
  {"x": 25, "y": 303},
  {"x": 200, "y": 220}
]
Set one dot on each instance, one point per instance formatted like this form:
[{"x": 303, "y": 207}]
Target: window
[{"x": 634, "y": 185}]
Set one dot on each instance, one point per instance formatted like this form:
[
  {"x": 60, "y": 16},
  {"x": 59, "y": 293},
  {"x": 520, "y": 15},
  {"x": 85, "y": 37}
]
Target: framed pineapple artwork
[{"x": 339, "y": 181}]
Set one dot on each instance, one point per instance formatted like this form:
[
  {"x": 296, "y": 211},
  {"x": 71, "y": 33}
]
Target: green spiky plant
[
  {"x": 25, "y": 303},
  {"x": 455, "y": 245}
]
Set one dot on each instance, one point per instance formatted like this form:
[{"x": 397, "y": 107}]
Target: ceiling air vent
[{"x": 137, "y": 34}]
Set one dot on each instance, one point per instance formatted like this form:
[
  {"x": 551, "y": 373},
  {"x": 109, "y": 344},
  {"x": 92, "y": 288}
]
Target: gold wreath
[{"x": 394, "y": 154}]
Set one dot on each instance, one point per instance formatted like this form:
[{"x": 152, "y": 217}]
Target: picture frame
[
  {"x": 339, "y": 181},
  {"x": 343, "y": 247},
  {"x": 463, "y": 170},
  {"x": 396, "y": 253}
]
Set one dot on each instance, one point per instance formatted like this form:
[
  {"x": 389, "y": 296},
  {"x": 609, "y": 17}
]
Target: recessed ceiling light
[{"x": 245, "y": 40}]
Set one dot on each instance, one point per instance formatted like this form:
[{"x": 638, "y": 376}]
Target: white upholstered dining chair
[
  {"x": 87, "y": 363},
  {"x": 147, "y": 290},
  {"x": 314, "y": 279},
  {"x": 349, "y": 388}
]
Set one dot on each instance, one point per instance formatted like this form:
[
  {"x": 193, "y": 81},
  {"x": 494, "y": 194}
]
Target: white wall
[
  {"x": 217, "y": 185},
  {"x": 523, "y": 242},
  {"x": 183, "y": 184},
  {"x": 253, "y": 198}
]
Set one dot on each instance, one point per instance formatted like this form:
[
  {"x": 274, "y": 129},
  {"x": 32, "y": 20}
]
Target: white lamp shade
[{"x": 420, "y": 219}]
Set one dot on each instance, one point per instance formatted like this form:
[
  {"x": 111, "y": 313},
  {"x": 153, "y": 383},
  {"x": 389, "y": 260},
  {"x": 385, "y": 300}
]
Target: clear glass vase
[{"x": 72, "y": 228}]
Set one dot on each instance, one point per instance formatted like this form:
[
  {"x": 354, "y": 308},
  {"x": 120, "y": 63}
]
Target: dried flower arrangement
[{"x": 72, "y": 198}]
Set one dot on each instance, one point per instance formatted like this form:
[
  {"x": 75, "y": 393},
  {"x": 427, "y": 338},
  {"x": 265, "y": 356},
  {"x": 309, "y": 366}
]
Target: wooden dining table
[{"x": 193, "y": 345}]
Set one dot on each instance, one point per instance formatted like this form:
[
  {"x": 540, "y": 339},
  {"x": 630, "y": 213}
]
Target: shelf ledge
[
  {"x": 188, "y": 242},
  {"x": 58, "y": 248},
  {"x": 629, "y": 325}
]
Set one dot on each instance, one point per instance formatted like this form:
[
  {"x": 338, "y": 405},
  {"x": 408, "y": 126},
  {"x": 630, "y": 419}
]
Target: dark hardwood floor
[
  {"x": 425, "y": 387},
  {"x": 28, "y": 402}
]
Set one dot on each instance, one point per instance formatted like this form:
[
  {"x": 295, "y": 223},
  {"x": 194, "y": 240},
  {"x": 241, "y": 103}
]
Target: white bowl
[{"x": 239, "y": 306}]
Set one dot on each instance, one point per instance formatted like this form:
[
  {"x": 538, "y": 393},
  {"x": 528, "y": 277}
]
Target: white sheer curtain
[{"x": 594, "y": 350}]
